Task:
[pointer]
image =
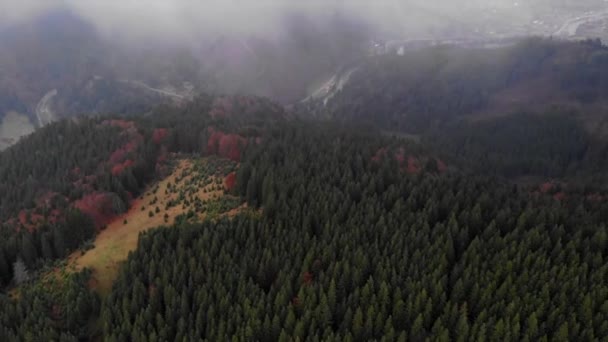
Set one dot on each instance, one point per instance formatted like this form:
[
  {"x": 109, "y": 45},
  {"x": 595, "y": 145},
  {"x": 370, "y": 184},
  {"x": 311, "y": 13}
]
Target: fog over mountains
[
  {"x": 186, "y": 20},
  {"x": 65, "y": 58},
  {"x": 314, "y": 170}
]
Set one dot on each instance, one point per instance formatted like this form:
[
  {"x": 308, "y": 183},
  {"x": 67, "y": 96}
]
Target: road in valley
[
  {"x": 331, "y": 87},
  {"x": 142, "y": 85},
  {"x": 570, "y": 28},
  {"x": 43, "y": 110}
]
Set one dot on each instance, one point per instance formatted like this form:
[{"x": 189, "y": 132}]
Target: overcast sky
[{"x": 181, "y": 18}]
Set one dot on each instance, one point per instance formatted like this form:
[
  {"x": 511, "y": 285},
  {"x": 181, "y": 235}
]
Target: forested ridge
[
  {"x": 352, "y": 249},
  {"x": 433, "y": 86},
  {"x": 63, "y": 51},
  {"x": 73, "y": 177},
  {"x": 550, "y": 145},
  {"x": 532, "y": 109},
  {"x": 50, "y": 310},
  {"x": 350, "y": 234}
]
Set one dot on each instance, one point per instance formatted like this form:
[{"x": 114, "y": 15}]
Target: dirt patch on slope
[{"x": 186, "y": 192}]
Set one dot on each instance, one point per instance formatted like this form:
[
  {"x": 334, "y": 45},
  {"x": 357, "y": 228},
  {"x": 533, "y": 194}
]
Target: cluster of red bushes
[
  {"x": 152, "y": 290},
  {"x": 159, "y": 135},
  {"x": 307, "y": 278},
  {"x": 413, "y": 165},
  {"x": 295, "y": 301},
  {"x": 119, "y": 168},
  {"x": 119, "y": 160},
  {"x": 98, "y": 206},
  {"x": 162, "y": 168},
  {"x": 400, "y": 156},
  {"x": 230, "y": 181},
  {"x": 44, "y": 201},
  {"x": 561, "y": 191},
  {"x": 32, "y": 222},
  {"x": 30, "y": 219},
  {"x": 225, "y": 145},
  {"x": 380, "y": 154},
  {"x": 560, "y": 196},
  {"x": 552, "y": 188},
  {"x": 409, "y": 164},
  {"x": 82, "y": 182},
  {"x": 121, "y": 153},
  {"x": 546, "y": 187},
  {"x": 85, "y": 183},
  {"x": 441, "y": 166}
]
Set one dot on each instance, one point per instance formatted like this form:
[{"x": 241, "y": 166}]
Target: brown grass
[{"x": 112, "y": 245}]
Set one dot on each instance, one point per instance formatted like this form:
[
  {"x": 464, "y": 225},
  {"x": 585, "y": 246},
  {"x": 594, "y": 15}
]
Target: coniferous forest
[
  {"x": 353, "y": 249},
  {"x": 472, "y": 230},
  {"x": 348, "y": 245}
]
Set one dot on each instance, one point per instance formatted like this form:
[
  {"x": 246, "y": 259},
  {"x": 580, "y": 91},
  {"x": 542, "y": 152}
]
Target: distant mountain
[
  {"x": 415, "y": 90},
  {"x": 447, "y": 192},
  {"x": 58, "y": 66},
  {"x": 99, "y": 165},
  {"x": 534, "y": 108},
  {"x": 317, "y": 223}
]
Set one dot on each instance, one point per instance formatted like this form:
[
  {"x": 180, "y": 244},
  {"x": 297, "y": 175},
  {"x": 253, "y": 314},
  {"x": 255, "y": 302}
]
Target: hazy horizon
[{"x": 184, "y": 20}]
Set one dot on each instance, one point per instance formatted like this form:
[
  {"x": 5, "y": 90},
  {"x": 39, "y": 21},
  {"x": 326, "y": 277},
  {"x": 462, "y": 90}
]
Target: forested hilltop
[
  {"x": 352, "y": 247},
  {"x": 72, "y": 178},
  {"x": 58, "y": 65},
  {"x": 536, "y": 108},
  {"x": 437, "y": 85},
  {"x": 462, "y": 200},
  {"x": 350, "y": 234}
]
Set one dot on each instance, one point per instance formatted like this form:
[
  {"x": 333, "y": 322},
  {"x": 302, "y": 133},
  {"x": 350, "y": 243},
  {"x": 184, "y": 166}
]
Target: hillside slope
[
  {"x": 429, "y": 87},
  {"x": 352, "y": 247},
  {"x": 195, "y": 190},
  {"x": 58, "y": 66},
  {"x": 67, "y": 181},
  {"x": 535, "y": 108},
  {"x": 352, "y": 235}
]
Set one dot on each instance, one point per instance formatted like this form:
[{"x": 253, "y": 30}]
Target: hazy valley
[{"x": 304, "y": 172}]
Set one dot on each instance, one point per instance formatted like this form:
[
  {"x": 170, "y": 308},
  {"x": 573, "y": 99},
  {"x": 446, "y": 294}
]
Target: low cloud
[
  {"x": 15, "y": 11},
  {"x": 182, "y": 19},
  {"x": 187, "y": 19}
]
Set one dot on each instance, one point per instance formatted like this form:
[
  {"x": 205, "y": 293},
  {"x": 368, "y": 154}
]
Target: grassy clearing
[{"x": 194, "y": 191}]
